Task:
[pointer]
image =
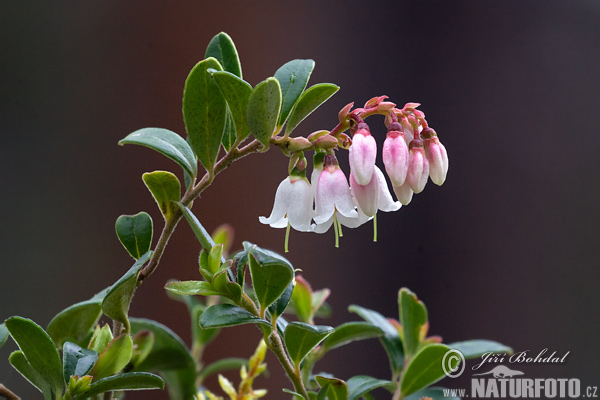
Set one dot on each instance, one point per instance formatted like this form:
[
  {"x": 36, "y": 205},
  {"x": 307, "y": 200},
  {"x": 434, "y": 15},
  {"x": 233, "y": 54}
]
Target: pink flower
[
  {"x": 333, "y": 193},
  {"x": 395, "y": 154},
  {"x": 362, "y": 154},
  {"x": 293, "y": 205},
  {"x": 374, "y": 196},
  {"x": 436, "y": 155},
  {"x": 418, "y": 166},
  {"x": 403, "y": 193}
]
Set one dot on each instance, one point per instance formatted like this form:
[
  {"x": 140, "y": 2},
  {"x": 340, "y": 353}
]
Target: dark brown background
[{"x": 507, "y": 249}]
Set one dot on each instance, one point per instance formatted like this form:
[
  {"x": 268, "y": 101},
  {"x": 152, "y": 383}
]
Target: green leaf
[
  {"x": 118, "y": 299},
  {"x": 114, "y": 358},
  {"x": 228, "y": 132},
  {"x": 19, "y": 362},
  {"x": 39, "y": 350},
  {"x": 350, "y": 332},
  {"x": 293, "y": 77},
  {"x": 201, "y": 234},
  {"x": 100, "y": 339},
  {"x": 143, "y": 341},
  {"x": 3, "y": 334},
  {"x": 223, "y": 49},
  {"x": 302, "y": 300},
  {"x": 135, "y": 233},
  {"x": 264, "y": 105},
  {"x": 165, "y": 188},
  {"x": 167, "y": 143},
  {"x": 300, "y": 338},
  {"x": 436, "y": 393},
  {"x": 170, "y": 357},
  {"x": 296, "y": 395},
  {"x": 279, "y": 306},
  {"x": 360, "y": 385},
  {"x": 308, "y": 102},
  {"x": 225, "y": 364},
  {"x": 477, "y": 348},
  {"x": 224, "y": 315},
  {"x": 336, "y": 388},
  {"x": 77, "y": 361},
  {"x": 204, "y": 111},
  {"x": 126, "y": 381},
  {"x": 237, "y": 93},
  {"x": 413, "y": 318},
  {"x": 270, "y": 279},
  {"x": 424, "y": 369},
  {"x": 76, "y": 322},
  {"x": 192, "y": 288},
  {"x": 390, "y": 340}
]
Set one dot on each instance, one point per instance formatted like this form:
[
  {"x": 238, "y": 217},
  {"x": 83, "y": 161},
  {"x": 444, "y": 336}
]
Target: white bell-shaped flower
[
  {"x": 293, "y": 205},
  {"x": 374, "y": 196}
]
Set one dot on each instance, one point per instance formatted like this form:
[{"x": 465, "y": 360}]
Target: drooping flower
[
  {"x": 374, "y": 196},
  {"x": 395, "y": 154},
  {"x": 293, "y": 205},
  {"x": 333, "y": 193},
  {"x": 436, "y": 155},
  {"x": 362, "y": 154},
  {"x": 418, "y": 166}
]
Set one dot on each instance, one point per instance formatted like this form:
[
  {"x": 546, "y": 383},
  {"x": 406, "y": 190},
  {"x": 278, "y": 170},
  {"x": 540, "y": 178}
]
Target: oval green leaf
[
  {"x": 300, "y": 338},
  {"x": 279, "y": 306},
  {"x": 225, "y": 315},
  {"x": 477, "y": 348},
  {"x": 19, "y": 362},
  {"x": 270, "y": 278},
  {"x": 310, "y": 100},
  {"x": 76, "y": 322},
  {"x": 77, "y": 361},
  {"x": 237, "y": 93},
  {"x": 302, "y": 300},
  {"x": 126, "y": 381},
  {"x": 192, "y": 288},
  {"x": 166, "y": 189},
  {"x": 351, "y": 332},
  {"x": 135, "y": 233},
  {"x": 424, "y": 369},
  {"x": 264, "y": 105},
  {"x": 39, "y": 350},
  {"x": 167, "y": 143},
  {"x": 413, "y": 318},
  {"x": 335, "y": 389},
  {"x": 114, "y": 358},
  {"x": 293, "y": 77},
  {"x": 223, "y": 49},
  {"x": 204, "y": 112},
  {"x": 118, "y": 299},
  {"x": 360, "y": 385},
  {"x": 391, "y": 341}
]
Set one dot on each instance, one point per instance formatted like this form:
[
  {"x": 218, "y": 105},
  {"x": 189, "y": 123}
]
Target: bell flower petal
[
  {"x": 333, "y": 194},
  {"x": 362, "y": 155},
  {"x": 395, "y": 157},
  {"x": 404, "y": 193},
  {"x": 293, "y": 205}
]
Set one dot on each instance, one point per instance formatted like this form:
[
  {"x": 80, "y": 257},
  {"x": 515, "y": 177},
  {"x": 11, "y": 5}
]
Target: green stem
[
  {"x": 336, "y": 232},
  {"x": 275, "y": 343},
  {"x": 287, "y": 238},
  {"x": 375, "y": 227}
]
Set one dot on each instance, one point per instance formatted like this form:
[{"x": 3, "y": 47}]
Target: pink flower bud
[
  {"x": 333, "y": 193},
  {"x": 395, "y": 155},
  {"x": 363, "y": 152},
  {"x": 418, "y": 166},
  {"x": 404, "y": 193},
  {"x": 374, "y": 196},
  {"x": 436, "y": 155}
]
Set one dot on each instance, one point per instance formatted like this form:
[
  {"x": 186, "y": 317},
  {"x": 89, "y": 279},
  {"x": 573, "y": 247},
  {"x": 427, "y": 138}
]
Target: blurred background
[{"x": 507, "y": 249}]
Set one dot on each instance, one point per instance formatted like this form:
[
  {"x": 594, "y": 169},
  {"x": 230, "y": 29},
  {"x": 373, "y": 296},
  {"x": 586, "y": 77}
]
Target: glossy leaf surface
[
  {"x": 424, "y": 369},
  {"x": 77, "y": 361},
  {"x": 263, "y": 110},
  {"x": 224, "y": 315},
  {"x": 19, "y": 362},
  {"x": 222, "y": 48},
  {"x": 167, "y": 143},
  {"x": 126, "y": 381},
  {"x": 135, "y": 233},
  {"x": 166, "y": 189},
  {"x": 237, "y": 94},
  {"x": 270, "y": 278},
  {"x": 360, "y": 385},
  {"x": 293, "y": 77},
  {"x": 114, "y": 358},
  {"x": 413, "y": 318},
  {"x": 300, "y": 338},
  {"x": 476, "y": 348},
  {"x": 308, "y": 102},
  {"x": 350, "y": 332}
]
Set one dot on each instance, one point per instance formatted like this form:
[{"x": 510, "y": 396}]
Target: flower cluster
[{"x": 411, "y": 154}]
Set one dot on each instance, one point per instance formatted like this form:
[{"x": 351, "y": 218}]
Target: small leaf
[
  {"x": 76, "y": 322},
  {"x": 302, "y": 300},
  {"x": 166, "y": 189},
  {"x": 143, "y": 341},
  {"x": 296, "y": 395},
  {"x": 308, "y": 102},
  {"x": 167, "y": 143},
  {"x": 435, "y": 393},
  {"x": 336, "y": 388},
  {"x": 39, "y": 350},
  {"x": 224, "y": 235},
  {"x": 350, "y": 332},
  {"x": 223, "y": 49},
  {"x": 204, "y": 112},
  {"x": 224, "y": 315},
  {"x": 118, "y": 299},
  {"x": 19, "y": 362},
  {"x": 478, "y": 347},
  {"x": 135, "y": 233},
  {"x": 77, "y": 361},
  {"x": 413, "y": 317},
  {"x": 192, "y": 288},
  {"x": 114, "y": 358},
  {"x": 126, "y": 381},
  {"x": 237, "y": 93},
  {"x": 201, "y": 234},
  {"x": 360, "y": 385},
  {"x": 264, "y": 105},
  {"x": 3, "y": 334},
  {"x": 270, "y": 279},
  {"x": 390, "y": 340},
  {"x": 300, "y": 338},
  {"x": 424, "y": 369},
  {"x": 293, "y": 77},
  {"x": 170, "y": 357},
  {"x": 101, "y": 338}
]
